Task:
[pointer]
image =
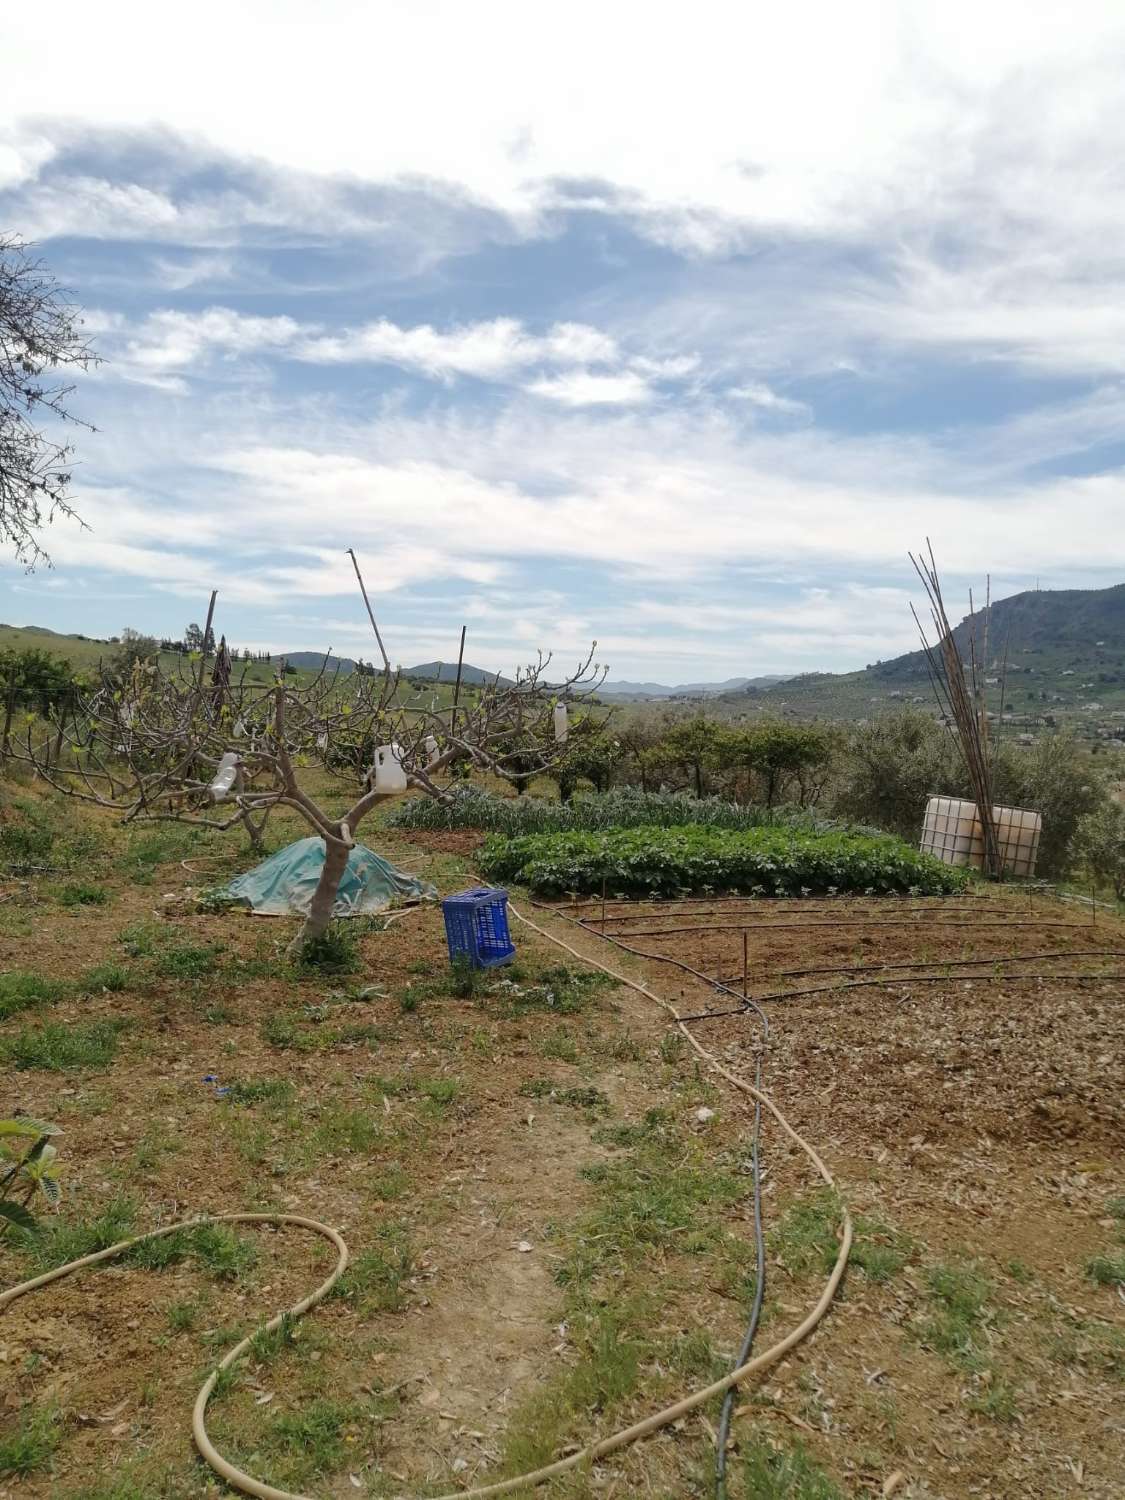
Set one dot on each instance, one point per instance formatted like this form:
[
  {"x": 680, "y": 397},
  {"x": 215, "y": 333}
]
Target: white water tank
[{"x": 951, "y": 832}]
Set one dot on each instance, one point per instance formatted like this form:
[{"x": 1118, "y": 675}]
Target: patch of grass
[
  {"x": 805, "y": 1238},
  {"x": 995, "y": 1398},
  {"x": 375, "y": 1280},
  {"x": 77, "y": 893},
  {"x": 657, "y": 1124},
  {"x": 591, "y": 1099},
  {"x": 182, "y": 1316},
  {"x": 960, "y": 1312},
  {"x": 187, "y": 960},
  {"x": 103, "y": 978},
  {"x": 143, "y": 939},
  {"x": 29, "y": 1443},
  {"x": 341, "y": 1130},
  {"x": 438, "y": 1094},
  {"x": 56, "y": 1240},
  {"x": 1115, "y": 1207},
  {"x": 222, "y": 1251},
  {"x": 771, "y": 1474},
  {"x": 22, "y": 991},
  {"x": 335, "y": 951},
  {"x": 1107, "y": 1270},
  {"x": 58, "y": 1049},
  {"x": 311, "y": 1441},
  {"x": 1019, "y": 1271},
  {"x": 560, "y": 1045},
  {"x": 560, "y": 989},
  {"x": 274, "y": 1093}
]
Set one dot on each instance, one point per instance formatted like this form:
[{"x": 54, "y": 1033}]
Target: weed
[
  {"x": 340, "y": 1130},
  {"x": 995, "y": 1398},
  {"x": 58, "y": 1241},
  {"x": 656, "y": 1126},
  {"x": 223, "y": 1252},
  {"x": 578, "y": 1098},
  {"x": 1107, "y": 1270},
  {"x": 143, "y": 939},
  {"x": 1115, "y": 1207},
  {"x": 57, "y": 1049},
  {"x": 375, "y": 1280},
  {"x": 1019, "y": 1271},
  {"x": 805, "y": 1239},
  {"x": 21, "y": 991},
  {"x": 30, "y": 1442},
  {"x": 268, "y": 1343},
  {"x": 80, "y": 894},
  {"x": 334, "y": 951},
  {"x": 560, "y": 1045},
  {"x": 311, "y": 1440},
  {"x": 103, "y": 978},
  {"x": 187, "y": 960},
  {"x": 218, "y": 1015},
  {"x": 672, "y": 1047},
  {"x": 960, "y": 1298},
  {"x": 275, "y": 1093},
  {"x": 439, "y": 1093},
  {"x": 465, "y": 981},
  {"x": 154, "y": 1145},
  {"x": 879, "y": 1251},
  {"x": 768, "y": 1474},
  {"x": 182, "y": 1316}
]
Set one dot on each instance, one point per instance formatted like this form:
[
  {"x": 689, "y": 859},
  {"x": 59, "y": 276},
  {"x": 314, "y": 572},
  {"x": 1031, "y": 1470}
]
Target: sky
[{"x": 674, "y": 327}]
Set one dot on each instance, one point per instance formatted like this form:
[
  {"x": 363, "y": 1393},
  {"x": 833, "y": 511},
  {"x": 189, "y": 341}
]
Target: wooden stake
[
  {"x": 457, "y": 684},
  {"x": 370, "y": 614}
]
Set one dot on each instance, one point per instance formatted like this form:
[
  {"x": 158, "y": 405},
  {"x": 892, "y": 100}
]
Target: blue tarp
[{"x": 284, "y": 884}]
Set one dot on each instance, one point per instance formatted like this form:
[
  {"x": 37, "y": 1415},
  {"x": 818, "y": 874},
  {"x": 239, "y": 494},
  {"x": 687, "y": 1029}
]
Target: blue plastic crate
[{"x": 476, "y": 926}]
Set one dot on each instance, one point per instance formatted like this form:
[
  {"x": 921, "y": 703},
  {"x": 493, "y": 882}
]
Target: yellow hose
[{"x": 621, "y": 1439}]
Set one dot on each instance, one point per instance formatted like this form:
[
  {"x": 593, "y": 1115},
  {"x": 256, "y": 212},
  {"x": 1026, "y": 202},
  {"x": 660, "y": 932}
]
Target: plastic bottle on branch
[
  {"x": 432, "y": 751},
  {"x": 389, "y": 775},
  {"x": 224, "y": 777},
  {"x": 560, "y": 717}
]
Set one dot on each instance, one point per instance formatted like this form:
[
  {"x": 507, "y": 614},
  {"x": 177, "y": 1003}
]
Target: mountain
[
  {"x": 685, "y": 689},
  {"x": 446, "y": 671},
  {"x": 1064, "y": 651}
]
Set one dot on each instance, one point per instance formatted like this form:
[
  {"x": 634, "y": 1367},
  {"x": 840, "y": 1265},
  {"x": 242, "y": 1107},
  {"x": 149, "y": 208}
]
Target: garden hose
[{"x": 588, "y": 1455}]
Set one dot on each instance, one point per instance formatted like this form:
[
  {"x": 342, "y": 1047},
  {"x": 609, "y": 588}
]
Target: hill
[
  {"x": 1065, "y": 660},
  {"x": 685, "y": 689}
]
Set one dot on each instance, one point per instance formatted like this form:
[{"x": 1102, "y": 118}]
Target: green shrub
[
  {"x": 334, "y": 951},
  {"x": 1100, "y": 844},
  {"x": 78, "y": 893},
  {"x": 762, "y": 862},
  {"x": 58, "y": 1048}
]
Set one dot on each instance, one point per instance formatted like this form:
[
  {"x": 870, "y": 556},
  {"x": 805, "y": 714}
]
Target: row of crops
[{"x": 667, "y": 844}]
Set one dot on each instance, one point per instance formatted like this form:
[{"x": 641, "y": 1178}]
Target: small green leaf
[
  {"x": 16, "y": 1214},
  {"x": 29, "y": 1127}
]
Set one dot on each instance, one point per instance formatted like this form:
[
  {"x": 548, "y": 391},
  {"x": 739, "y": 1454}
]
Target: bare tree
[
  {"x": 177, "y": 746},
  {"x": 40, "y": 333}
]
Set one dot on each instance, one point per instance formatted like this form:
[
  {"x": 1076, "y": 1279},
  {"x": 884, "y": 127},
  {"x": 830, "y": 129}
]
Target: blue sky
[{"x": 675, "y": 329}]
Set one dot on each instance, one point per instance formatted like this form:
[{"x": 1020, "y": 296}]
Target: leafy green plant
[
  {"x": 33, "y": 1175},
  {"x": 764, "y": 862},
  {"x": 29, "y": 1443}
]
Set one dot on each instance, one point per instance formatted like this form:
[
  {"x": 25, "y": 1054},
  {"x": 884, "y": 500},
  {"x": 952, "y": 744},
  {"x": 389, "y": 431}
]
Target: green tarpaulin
[{"x": 284, "y": 884}]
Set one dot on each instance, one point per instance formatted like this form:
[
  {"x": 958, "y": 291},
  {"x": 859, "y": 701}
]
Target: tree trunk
[{"x": 324, "y": 897}]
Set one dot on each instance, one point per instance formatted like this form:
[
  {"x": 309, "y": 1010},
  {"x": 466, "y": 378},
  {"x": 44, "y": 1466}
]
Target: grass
[
  {"x": 1107, "y": 1270},
  {"x": 105, "y": 978},
  {"x": 57, "y": 1241},
  {"x": 28, "y": 1445},
  {"x": 274, "y": 1093},
  {"x": 768, "y": 1473},
  {"x": 186, "y": 960},
  {"x": 960, "y": 1313},
  {"x": 376, "y": 1280},
  {"x": 314, "y": 1440},
  {"x": 21, "y": 991},
  {"x": 334, "y": 951},
  {"x": 58, "y": 1049},
  {"x": 81, "y": 894}
]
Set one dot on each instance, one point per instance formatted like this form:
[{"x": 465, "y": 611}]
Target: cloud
[
  {"x": 497, "y": 349},
  {"x": 585, "y": 389},
  {"x": 757, "y": 393}
]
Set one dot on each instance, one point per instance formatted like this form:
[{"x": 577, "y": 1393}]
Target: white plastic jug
[
  {"x": 389, "y": 775},
  {"x": 432, "y": 751},
  {"x": 322, "y": 740},
  {"x": 224, "y": 777},
  {"x": 560, "y": 722}
]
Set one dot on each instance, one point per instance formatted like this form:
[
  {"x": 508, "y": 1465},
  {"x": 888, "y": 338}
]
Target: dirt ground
[{"x": 472, "y": 1150}]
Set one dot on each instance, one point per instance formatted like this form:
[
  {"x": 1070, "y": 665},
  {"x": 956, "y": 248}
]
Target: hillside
[
  {"x": 685, "y": 689},
  {"x": 1065, "y": 653}
]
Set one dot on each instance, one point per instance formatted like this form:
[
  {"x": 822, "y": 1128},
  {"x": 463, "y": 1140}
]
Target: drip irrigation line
[
  {"x": 589, "y": 925},
  {"x": 936, "y": 963},
  {"x": 861, "y": 984}
]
